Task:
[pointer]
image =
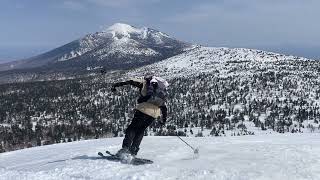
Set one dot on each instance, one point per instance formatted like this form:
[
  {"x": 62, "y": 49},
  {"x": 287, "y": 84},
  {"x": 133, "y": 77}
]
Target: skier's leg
[
  {"x": 136, "y": 143},
  {"x": 146, "y": 121},
  {"x": 128, "y": 139},
  {"x": 130, "y": 133}
]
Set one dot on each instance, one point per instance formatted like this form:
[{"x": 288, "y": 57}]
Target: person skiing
[{"x": 150, "y": 105}]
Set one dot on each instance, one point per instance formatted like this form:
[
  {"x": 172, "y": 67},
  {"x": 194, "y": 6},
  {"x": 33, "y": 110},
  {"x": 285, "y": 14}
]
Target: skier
[{"x": 151, "y": 105}]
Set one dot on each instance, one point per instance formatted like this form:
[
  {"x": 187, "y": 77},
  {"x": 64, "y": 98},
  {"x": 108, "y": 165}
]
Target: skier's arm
[{"x": 130, "y": 82}]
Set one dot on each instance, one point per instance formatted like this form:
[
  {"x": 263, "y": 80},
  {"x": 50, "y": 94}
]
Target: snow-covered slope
[
  {"x": 276, "y": 157},
  {"x": 219, "y": 60}
]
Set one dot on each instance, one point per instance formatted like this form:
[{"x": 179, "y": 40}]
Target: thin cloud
[
  {"x": 249, "y": 22},
  {"x": 111, "y": 3},
  {"x": 74, "y": 5},
  {"x": 119, "y": 3}
]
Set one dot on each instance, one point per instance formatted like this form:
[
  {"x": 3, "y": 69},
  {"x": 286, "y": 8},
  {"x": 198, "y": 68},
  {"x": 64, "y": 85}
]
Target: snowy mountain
[
  {"x": 225, "y": 91},
  {"x": 218, "y": 60},
  {"x": 125, "y": 41},
  {"x": 218, "y": 99},
  {"x": 277, "y": 157},
  {"x": 120, "y": 46}
]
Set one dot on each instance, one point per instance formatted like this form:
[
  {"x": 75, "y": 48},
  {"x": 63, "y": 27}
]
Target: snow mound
[{"x": 260, "y": 157}]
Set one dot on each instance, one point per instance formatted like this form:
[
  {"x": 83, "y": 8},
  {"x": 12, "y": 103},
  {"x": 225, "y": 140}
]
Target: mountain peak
[
  {"x": 121, "y": 27},
  {"x": 120, "y": 30},
  {"x": 124, "y": 30}
]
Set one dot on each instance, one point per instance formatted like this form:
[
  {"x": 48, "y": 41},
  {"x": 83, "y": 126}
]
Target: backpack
[{"x": 158, "y": 95}]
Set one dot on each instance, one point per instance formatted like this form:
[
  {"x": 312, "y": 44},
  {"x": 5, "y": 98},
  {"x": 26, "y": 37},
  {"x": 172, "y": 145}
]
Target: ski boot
[
  {"x": 124, "y": 155},
  {"x": 134, "y": 151}
]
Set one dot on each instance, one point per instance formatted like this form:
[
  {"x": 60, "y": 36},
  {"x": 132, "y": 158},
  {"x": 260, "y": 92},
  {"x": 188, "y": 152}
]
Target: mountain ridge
[
  {"x": 125, "y": 47},
  {"x": 201, "y": 59},
  {"x": 120, "y": 45}
]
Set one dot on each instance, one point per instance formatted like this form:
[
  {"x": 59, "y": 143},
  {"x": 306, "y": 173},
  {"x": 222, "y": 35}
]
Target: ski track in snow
[{"x": 261, "y": 157}]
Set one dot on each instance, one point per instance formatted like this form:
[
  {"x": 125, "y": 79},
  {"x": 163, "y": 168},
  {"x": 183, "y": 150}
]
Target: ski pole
[{"x": 195, "y": 150}]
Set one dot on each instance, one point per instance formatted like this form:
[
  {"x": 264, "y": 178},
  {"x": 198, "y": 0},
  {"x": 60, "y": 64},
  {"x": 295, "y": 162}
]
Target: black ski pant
[{"x": 135, "y": 131}]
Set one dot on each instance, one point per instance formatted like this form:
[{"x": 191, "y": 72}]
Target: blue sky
[{"x": 29, "y": 27}]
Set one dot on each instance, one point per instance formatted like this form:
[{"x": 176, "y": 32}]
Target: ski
[
  {"x": 112, "y": 158},
  {"x": 133, "y": 161},
  {"x": 139, "y": 159},
  {"x": 108, "y": 152}
]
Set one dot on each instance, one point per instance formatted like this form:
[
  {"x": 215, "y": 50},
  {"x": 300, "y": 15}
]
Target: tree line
[{"x": 278, "y": 99}]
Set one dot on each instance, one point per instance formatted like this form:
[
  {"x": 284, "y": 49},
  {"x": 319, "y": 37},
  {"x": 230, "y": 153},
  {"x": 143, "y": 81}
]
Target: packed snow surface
[{"x": 274, "y": 156}]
